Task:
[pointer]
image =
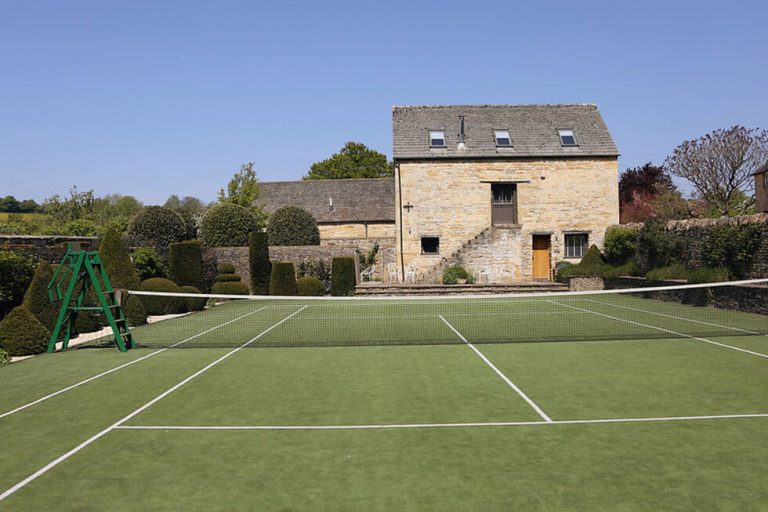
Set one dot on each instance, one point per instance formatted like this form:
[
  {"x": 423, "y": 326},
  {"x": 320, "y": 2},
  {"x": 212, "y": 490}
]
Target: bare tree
[{"x": 720, "y": 166}]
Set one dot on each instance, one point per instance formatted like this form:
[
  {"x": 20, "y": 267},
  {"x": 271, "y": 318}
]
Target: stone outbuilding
[{"x": 761, "y": 189}]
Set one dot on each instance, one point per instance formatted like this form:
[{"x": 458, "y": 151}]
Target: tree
[
  {"x": 243, "y": 190},
  {"x": 354, "y": 160},
  {"x": 648, "y": 191},
  {"x": 9, "y": 204},
  {"x": 720, "y": 165},
  {"x": 190, "y": 204}
]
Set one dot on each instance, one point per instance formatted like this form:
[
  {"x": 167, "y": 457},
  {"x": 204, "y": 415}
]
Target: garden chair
[
  {"x": 392, "y": 271},
  {"x": 484, "y": 273},
  {"x": 368, "y": 272},
  {"x": 410, "y": 272},
  {"x": 503, "y": 273}
]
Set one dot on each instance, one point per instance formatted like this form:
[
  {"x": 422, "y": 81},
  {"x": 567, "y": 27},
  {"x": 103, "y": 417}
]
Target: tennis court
[{"x": 596, "y": 401}]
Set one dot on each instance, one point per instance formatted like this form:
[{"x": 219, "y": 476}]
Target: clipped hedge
[
  {"x": 16, "y": 272},
  {"x": 310, "y": 286},
  {"x": 157, "y": 226},
  {"x": 230, "y": 288},
  {"x": 223, "y": 278},
  {"x": 122, "y": 274},
  {"x": 673, "y": 271},
  {"x": 194, "y": 303},
  {"x": 185, "y": 263},
  {"x": 343, "y": 279},
  {"x": 36, "y": 299},
  {"x": 292, "y": 226},
  {"x": 258, "y": 259},
  {"x": 162, "y": 305},
  {"x": 283, "y": 279},
  {"x": 21, "y": 334},
  {"x": 227, "y": 225},
  {"x": 226, "y": 268},
  {"x": 453, "y": 274},
  {"x": 709, "y": 275}
]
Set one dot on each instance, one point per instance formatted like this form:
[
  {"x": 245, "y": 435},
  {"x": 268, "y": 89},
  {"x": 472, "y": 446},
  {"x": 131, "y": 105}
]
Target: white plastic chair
[
  {"x": 410, "y": 271},
  {"x": 504, "y": 273},
  {"x": 367, "y": 273},
  {"x": 484, "y": 273},
  {"x": 392, "y": 271}
]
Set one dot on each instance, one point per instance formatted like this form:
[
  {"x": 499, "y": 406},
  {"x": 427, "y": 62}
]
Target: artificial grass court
[{"x": 423, "y": 415}]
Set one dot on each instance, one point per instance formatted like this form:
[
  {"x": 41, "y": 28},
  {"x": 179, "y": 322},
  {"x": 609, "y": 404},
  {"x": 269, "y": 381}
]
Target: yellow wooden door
[{"x": 541, "y": 262}]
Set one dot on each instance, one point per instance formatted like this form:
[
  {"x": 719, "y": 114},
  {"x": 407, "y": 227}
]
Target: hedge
[
  {"x": 16, "y": 272},
  {"x": 36, "y": 299},
  {"x": 148, "y": 263},
  {"x": 230, "y": 288},
  {"x": 620, "y": 244},
  {"x": 122, "y": 274},
  {"x": 194, "y": 303},
  {"x": 21, "y": 334},
  {"x": 185, "y": 263},
  {"x": 158, "y": 305},
  {"x": 283, "y": 279},
  {"x": 190, "y": 223},
  {"x": 453, "y": 274},
  {"x": 227, "y": 225},
  {"x": 224, "y": 278},
  {"x": 157, "y": 226},
  {"x": 343, "y": 279},
  {"x": 310, "y": 286},
  {"x": 226, "y": 268},
  {"x": 292, "y": 226},
  {"x": 674, "y": 271},
  {"x": 709, "y": 275},
  {"x": 258, "y": 260}
]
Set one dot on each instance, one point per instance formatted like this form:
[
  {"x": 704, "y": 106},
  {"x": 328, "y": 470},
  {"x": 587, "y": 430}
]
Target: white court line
[
  {"x": 40, "y": 472},
  {"x": 674, "y": 317},
  {"x": 499, "y": 373},
  {"x": 439, "y": 425},
  {"x": 662, "y": 329},
  {"x": 90, "y": 379}
]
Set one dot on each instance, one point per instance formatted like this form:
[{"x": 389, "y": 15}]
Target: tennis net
[{"x": 713, "y": 310}]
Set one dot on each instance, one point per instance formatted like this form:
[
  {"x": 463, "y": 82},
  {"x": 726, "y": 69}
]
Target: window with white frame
[
  {"x": 567, "y": 138},
  {"x": 576, "y": 245},
  {"x": 436, "y": 138},
  {"x": 502, "y": 138}
]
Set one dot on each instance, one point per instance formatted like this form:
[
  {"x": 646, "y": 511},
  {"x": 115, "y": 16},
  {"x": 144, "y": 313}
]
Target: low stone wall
[
  {"x": 387, "y": 254},
  {"x": 48, "y": 247},
  {"x": 585, "y": 283}
]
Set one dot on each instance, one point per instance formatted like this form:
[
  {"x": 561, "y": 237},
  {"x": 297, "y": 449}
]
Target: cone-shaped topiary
[
  {"x": 310, "y": 286},
  {"x": 185, "y": 263},
  {"x": 194, "y": 303},
  {"x": 293, "y": 226},
  {"x": 122, "y": 274},
  {"x": 343, "y": 276},
  {"x": 160, "y": 305},
  {"x": 227, "y": 225},
  {"x": 258, "y": 256},
  {"x": 36, "y": 299},
  {"x": 21, "y": 334},
  {"x": 283, "y": 279}
]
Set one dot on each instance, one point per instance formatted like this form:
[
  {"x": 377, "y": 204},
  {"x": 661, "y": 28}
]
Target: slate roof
[
  {"x": 354, "y": 200},
  {"x": 533, "y": 129}
]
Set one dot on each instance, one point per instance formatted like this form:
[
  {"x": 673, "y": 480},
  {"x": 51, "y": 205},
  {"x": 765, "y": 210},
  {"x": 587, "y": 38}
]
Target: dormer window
[
  {"x": 566, "y": 137},
  {"x": 502, "y": 138},
  {"x": 436, "y": 139}
]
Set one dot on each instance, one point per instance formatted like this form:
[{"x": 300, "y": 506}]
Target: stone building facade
[
  {"x": 507, "y": 191},
  {"x": 761, "y": 189}
]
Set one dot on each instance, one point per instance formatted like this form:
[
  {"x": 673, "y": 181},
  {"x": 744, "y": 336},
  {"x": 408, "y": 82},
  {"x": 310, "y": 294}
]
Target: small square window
[
  {"x": 567, "y": 138},
  {"x": 430, "y": 245},
  {"x": 436, "y": 139},
  {"x": 502, "y": 138},
  {"x": 576, "y": 245}
]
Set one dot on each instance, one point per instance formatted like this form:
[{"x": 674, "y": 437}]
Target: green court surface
[{"x": 400, "y": 405}]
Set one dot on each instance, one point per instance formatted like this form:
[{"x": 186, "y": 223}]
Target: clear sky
[{"x": 169, "y": 97}]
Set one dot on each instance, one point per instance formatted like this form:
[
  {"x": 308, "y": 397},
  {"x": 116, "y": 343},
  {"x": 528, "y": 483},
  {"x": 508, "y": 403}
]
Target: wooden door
[{"x": 541, "y": 256}]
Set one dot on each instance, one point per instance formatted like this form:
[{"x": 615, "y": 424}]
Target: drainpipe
[{"x": 400, "y": 202}]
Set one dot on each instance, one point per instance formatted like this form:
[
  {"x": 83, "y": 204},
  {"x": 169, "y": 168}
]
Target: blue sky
[{"x": 170, "y": 97}]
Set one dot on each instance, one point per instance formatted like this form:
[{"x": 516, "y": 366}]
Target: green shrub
[
  {"x": 656, "y": 247},
  {"x": 190, "y": 223},
  {"x": 158, "y": 305},
  {"x": 227, "y": 225},
  {"x": 134, "y": 310},
  {"x": 194, "y": 303},
  {"x": 36, "y": 299},
  {"x": 343, "y": 278},
  {"x": 258, "y": 259},
  {"x": 185, "y": 263},
  {"x": 673, "y": 271},
  {"x": 315, "y": 268},
  {"x": 732, "y": 246},
  {"x": 620, "y": 244},
  {"x": 455, "y": 273},
  {"x": 283, "y": 279},
  {"x": 592, "y": 264},
  {"x": 292, "y": 226},
  {"x": 122, "y": 274},
  {"x": 5, "y": 358},
  {"x": 157, "y": 226},
  {"x": 21, "y": 334},
  {"x": 310, "y": 286},
  {"x": 230, "y": 288},
  {"x": 16, "y": 272},
  {"x": 148, "y": 263},
  {"x": 224, "y": 278},
  {"x": 709, "y": 275},
  {"x": 627, "y": 269},
  {"x": 226, "y": 268}
]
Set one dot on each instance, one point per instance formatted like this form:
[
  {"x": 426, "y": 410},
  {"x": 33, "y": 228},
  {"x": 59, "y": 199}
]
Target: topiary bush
[
  {"x": 310, "y": 286},
  {"x": 592, "y": 264},
  {"x": 620, "y": 245},
  {"x": 194, "y": 303},
  {"x": 185, "y": 263},
  {"x": 122, "y": 274},
  {"x": 16, "y": 272},
  {"x": 21, "y": 334},
  {"x": 673, "y": 271},
  {"x": 148, "y": 263},
  {"x": 456, "y": 273},
  {"x": 157, "y": 226},
  {"x": 227, "y": 225},
  {"x": 158, "y": 305},
  {"x": 343, "y": 279},
  {"x": 283, "y": 279},
  {"x": 709, "y": 275},
  {"x": 230, "y": 288},
  {"x": 223, "y": 278},
  {"x": 315, "y": 268},
  {"x": 36, "y": 299},
  {"x": 5, "y": 358},
  {"x": 292, "y": 226},
  {"x": 258, "y": 260},
  {"x": 226, "y": 268}
]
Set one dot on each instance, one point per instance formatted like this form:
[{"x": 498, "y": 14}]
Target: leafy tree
[
  {"x": 28, "y": 206},
  {"x": 243, "y": 190},
  {"x": 355, "y": 160},
  {"x": 648, "y": 191},
  {"x": 76, "y": 206},
  {"x": 720, "y": 165},
  {"x": 9, "y": 204},
  {"x": 190, "y": 204}
]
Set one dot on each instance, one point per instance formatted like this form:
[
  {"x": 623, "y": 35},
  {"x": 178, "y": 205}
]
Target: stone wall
[
  {"x": 452, "y": 200},
  {"x": 359, "y": 230},
  {"x": 48, "y": 247},
  {"x": 384, "y": 257},
  {"x": 585, "y": 283}
]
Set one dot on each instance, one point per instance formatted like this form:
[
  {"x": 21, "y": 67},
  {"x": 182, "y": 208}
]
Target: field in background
[{"x": 21, "y": 216}]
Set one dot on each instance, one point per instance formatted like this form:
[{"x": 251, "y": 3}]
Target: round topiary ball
[
  {"x": 227, "y": 225},
  {"x": 158, "y": 226},
  {"x": 230, "y": 288},
  {"x": 292, "y": 226},
  {"x": 162, "y": 305},
  {"x": 310, "y": 286},
  {"x": 194, "y": 303}
]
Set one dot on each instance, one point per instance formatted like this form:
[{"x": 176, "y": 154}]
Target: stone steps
[{"x": 374, "y": 289}]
